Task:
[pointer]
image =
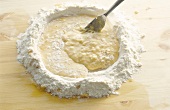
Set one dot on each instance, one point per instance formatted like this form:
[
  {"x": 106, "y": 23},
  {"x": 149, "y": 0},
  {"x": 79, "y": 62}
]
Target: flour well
[
  {"x": 78, "y": 80},
  {"x": 67, "y": 51}
]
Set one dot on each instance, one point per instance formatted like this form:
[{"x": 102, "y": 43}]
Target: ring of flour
[{"x": 96, "y": 84}]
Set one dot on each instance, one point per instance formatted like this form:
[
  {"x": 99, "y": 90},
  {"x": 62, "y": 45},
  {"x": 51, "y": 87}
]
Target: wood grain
[{"x": 150, "y": 90}]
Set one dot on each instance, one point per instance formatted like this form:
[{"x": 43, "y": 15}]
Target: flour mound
[{"x": 95, "y": 84}]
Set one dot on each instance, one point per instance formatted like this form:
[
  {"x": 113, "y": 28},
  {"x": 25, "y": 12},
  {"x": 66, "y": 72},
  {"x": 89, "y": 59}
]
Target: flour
[{"x": 95, "y": 84}]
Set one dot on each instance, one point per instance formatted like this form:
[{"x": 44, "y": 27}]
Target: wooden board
[{"x": 150, "y": 90}]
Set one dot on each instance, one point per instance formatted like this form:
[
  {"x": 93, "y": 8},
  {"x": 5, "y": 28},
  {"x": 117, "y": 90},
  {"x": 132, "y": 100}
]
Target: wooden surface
[{"x": 150, "y": 90}]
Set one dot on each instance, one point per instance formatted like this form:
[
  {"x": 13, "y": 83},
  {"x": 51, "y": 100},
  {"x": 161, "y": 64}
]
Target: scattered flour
[{"x": 95, "y": 83}]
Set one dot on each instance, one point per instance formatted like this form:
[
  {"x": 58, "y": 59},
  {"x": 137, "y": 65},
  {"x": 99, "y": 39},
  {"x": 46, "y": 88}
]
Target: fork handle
[{"x": 113, "y": 7}]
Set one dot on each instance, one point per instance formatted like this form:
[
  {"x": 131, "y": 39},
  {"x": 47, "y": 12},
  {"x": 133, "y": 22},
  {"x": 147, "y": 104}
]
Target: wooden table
[{"x": 150, "y": 90}]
